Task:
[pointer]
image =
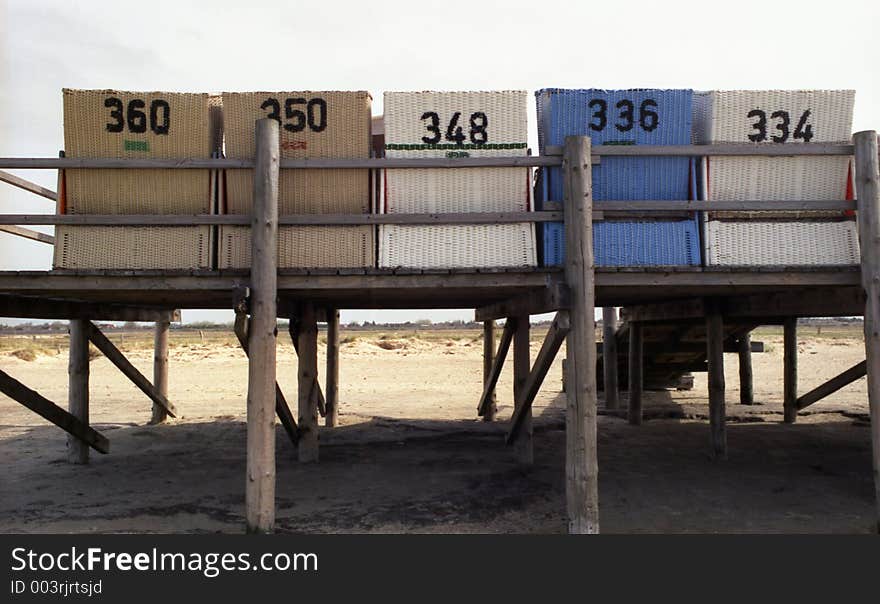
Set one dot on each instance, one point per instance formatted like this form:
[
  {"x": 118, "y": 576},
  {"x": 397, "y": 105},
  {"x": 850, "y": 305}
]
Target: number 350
[{"x": 136, "y": 118}]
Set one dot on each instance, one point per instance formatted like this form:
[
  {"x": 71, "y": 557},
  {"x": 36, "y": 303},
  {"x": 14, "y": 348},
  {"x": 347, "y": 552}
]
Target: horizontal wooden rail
[
  {"x": 552, "y": 157},
  {"x": 602, "y": 210},
  {"x": 771, "y": 150},
  {"x": 73, "y": 163},
  {"x": 630, "y": 207},
  {"x": 295, "y": 219}
]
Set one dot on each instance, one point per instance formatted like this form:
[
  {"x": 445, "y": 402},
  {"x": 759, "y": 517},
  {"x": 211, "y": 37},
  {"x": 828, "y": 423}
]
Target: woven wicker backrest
[
  {"x": 456, "y": 124},
  {"x": 730, "y": 116},
  {"x": 157, "y": 125},
  {"x": 314, "y": 125}
]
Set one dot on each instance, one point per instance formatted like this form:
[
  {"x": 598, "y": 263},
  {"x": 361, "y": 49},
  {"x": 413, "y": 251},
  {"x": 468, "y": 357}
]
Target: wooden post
[
  {"x": 522, "y": 364},
  {"x": 635, "y": 373},
  {"x": 868, "y": 195},
  {"x": 609, "y": 357},
  {"x": 715, "y": 354},
  {"x": 260, "y": 489},
  {"x": 78, "y": 393},
  {"x": 790, "y": 370},
  {"x": 488, "y": 359},
  {"x": 746, "y": 389},
  {"x": 581, "y": 462},
  {"x": 331, "y": 402},
  {"x": 307, "y": 381},
  {"x": 160, "y": 369}
]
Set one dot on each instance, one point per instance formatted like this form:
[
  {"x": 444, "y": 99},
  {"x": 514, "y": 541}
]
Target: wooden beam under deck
[{"x": 374, "y": 288}]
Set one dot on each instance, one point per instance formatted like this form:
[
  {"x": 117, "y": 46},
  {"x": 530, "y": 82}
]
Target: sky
[{"x": 225, "y": 45}]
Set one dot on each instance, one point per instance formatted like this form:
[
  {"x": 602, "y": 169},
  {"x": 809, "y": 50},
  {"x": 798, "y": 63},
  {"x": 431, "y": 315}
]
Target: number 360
[{"x": 136, "y": 118}]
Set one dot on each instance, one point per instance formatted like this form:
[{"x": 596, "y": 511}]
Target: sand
[{"x": 411, "y": 456}]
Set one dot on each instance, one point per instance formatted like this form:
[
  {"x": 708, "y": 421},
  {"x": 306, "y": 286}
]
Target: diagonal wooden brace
[
  {"x": 115, "y": 356},
  {"x": 497, "y": 364},
  {"x": 53, "y": 413},
  {"x": 282, "y": 409},
  {"x": 555, "y": 337},
  {"x": 833, "y": 385}
]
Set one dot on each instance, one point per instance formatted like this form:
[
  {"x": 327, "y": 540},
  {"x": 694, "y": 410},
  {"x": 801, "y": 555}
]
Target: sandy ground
[{"x": 410, "y": 455}]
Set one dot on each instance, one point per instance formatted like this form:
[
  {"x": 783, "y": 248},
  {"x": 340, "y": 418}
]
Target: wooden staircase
[{"x": 673, "y": 351}]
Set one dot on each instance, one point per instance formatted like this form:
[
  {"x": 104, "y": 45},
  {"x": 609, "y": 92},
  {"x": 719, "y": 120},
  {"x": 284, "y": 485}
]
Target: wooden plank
[
  {"x": 32, "y": 307},
  {"x": 497, "y": 365},
  {"x": 291, "y": 219},
  {"x": 744, "y": 350},
  {"x": 491, "y": 408},
  {"x": 713, "y": 150},
  {"x": 635, "y": 372},
  {"x": 609, "y": 358},
  {"x": 868, "y": 194},
  {"x": 715, "y": 355},
  {"x": 657, "y": 206},
  {"x": 331, "y": 412},
  {"x": 552, "y": 342},
  {"x": 846, "y": 378},
  {"x": 81, "y": 432},
  {"x": 115, "y": 356},
  {"x": 160, "y": 369},
  {"x": 68, "y": 163},
  {"x": 282, "y": 409},
  {"x": 665, "y": 311},
  {"x": 27, "y": 234},
  {"x": 523, "y": 443},
  {"x": 581, "y": 461},
  {"x": 552, "y": 298},
  {"x": 307, "y": 336},
  {"x": 32, "y": 187},
  {"x": 664, "y": 348},
  {"x": 844, "y": 301},
  {"x": 657, "y": 283},
  {"x": 789, "y": 371},
  {"x": 260, "y": 483},
  {"x": 78, "y": 390}
]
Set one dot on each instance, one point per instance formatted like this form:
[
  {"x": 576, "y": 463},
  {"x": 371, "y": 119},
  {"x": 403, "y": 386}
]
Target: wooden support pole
[
  {"x": 78, "y": 393},
  {"x": 522, "y": 364},
  {"x": 846, "y": 378},
  {"x": 307, "y": 336},
  {"x": 789, "y": 376},
  {"x": 160, "y": 369},
  {"x": 488, "y": 358},
  {"x": 523, "y": 406},
  {"x": 115, "y": 356},
  {"x": 715, "y": 354},
  {"x": 260, "y": 481},
  {"x": 282, "y": 410},
  {"x": 293, "y": 329},
  {"x": 609, "y": 357},
  {"x": 636, "y": 373},
  {"x": 868, "y": 195},
  {"x": 746, "y": 388},
  {"x": 331, "y": 405},
  {"x": 581, "y": 462},
  {"x": 497, "y": 365},
  {"x": 53, "y": 413}
]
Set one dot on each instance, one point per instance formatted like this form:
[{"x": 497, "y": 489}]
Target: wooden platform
[{"x": 375, "y": 288}]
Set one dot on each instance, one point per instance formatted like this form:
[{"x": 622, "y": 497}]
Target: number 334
[{"x": 802, "y": 131}]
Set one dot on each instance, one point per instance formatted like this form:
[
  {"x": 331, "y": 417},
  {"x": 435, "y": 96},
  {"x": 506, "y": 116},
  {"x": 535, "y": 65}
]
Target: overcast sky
[{"x": 410, "y": 45}]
